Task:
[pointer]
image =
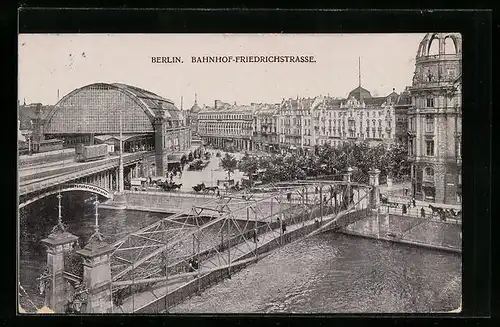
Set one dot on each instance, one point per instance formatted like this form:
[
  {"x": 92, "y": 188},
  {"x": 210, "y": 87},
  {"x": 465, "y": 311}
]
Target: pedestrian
[
  {"x": 406, "y": 191},
  {"x": 254, "y": 235},
  {"x": 414, "y": 202},
  {"x": 283, "y": 227},
  {"x": 403, "y": 209},
  {"x": 218, "y": 193},
  {"x": 422, "y": 212}
]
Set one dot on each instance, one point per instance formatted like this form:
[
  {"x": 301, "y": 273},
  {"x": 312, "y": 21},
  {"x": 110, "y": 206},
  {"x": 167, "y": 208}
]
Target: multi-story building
[
  {"x": 403, "y": 103},
  {"x": 435, "y": 119},
  {"x": 359, "y": 118},
  {"x": 266, "y": 127},
  {"x": 295, "y": 127},
  {"x": 227, "y": 126}
]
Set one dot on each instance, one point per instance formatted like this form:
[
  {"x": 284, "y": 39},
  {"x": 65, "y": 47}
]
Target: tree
[
  {"x": 249, "y": 165},
  {"x": 229, "y": 164},
  {"x": 399, "y": 165}
]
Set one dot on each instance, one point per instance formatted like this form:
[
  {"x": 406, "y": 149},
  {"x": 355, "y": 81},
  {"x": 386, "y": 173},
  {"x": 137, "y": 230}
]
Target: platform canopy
[{"x": 124, "y": 138}]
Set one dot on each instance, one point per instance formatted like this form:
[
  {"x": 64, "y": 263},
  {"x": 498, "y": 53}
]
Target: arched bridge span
[{"x": 67, "y": 188}]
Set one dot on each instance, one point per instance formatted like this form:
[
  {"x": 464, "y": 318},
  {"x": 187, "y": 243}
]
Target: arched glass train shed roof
[{"x": 96, "y": 108}]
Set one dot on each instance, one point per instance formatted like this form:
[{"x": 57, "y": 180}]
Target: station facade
[
  {"x": 96, "y": 113},
  {"x": 435, "y": 119}
]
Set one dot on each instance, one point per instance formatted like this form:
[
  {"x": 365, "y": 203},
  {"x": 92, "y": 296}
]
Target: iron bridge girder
[
  {"x": 139, "y": 256},
  {"x": 68, "y": 187}
]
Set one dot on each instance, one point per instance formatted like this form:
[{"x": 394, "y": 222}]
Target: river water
[{"x": 325, "y": 273}]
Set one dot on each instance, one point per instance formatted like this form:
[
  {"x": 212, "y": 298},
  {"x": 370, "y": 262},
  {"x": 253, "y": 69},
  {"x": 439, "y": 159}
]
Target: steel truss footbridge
[{"x": 224, "y": 232}]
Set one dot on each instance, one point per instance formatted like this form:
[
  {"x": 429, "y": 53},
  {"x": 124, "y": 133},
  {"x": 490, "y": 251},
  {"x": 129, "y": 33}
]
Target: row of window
[
  {"x": 429, "y": 124},
  {"x": 225, "y": 116},
  {"x": 429, "y": 147}
]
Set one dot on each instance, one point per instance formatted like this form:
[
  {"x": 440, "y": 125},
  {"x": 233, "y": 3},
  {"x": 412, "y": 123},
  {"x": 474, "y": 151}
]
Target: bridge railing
[
  {"x": 79, "y": 172},
  {"x": 88, "y": 165}
]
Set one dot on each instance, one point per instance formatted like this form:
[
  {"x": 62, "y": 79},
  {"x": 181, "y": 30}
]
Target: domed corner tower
[{"x": 435, "y": 119}]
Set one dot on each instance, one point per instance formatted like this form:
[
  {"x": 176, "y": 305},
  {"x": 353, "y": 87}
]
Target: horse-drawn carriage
[
  {"x": 198, "y": 164},
  {"x": 138, "y": 184},
  {"x": 170, "y": 186},
  {"x": 385, "y": 201},
  {"x": 444, "y": 213},
  {"x": 202, "y": 187}
]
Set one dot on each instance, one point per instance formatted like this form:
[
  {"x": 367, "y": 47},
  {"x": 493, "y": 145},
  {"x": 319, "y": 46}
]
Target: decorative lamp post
[
  {"x": 96, "y": 234},
  {"x": 60, "y": 226}
]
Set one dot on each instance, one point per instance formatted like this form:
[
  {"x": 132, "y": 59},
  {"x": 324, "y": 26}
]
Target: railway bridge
[
  {"x": 99, "y": 177},
  {"x": 162, "y": 264}
]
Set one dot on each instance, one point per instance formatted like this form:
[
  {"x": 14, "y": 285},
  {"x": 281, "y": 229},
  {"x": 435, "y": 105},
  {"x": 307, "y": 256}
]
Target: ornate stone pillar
[
  {"x": 97, "y": 275},
  {"x": 97, "y": 271},
  {"x": 375, "y": 192},
  {"x": 52, "y": 280},
  {"x": 58, "y": 242}
]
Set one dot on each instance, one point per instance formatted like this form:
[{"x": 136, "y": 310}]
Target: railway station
[{"x": 104, "y": 113}]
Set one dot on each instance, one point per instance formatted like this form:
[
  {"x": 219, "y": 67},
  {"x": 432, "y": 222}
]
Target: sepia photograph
[{"x": 239, "y": 173}]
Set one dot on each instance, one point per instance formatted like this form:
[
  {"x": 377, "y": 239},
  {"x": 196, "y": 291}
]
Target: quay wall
[
  {"x": 162, "y": 200},
  {"x": 429, "y": 233}
]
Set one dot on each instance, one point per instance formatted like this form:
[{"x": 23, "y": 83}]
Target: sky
[{"x": 64, "y": 62}]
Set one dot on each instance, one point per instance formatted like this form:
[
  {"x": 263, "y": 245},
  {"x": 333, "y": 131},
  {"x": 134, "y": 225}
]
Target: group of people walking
[{"x": 412, "y": 203}]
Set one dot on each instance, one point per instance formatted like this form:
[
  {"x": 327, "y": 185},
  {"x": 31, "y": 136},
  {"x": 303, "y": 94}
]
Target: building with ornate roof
[
  {"x": 367, "y": 119},
  {"x": 98, "y": 111},
  {"x": 435, "y": 119}
]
